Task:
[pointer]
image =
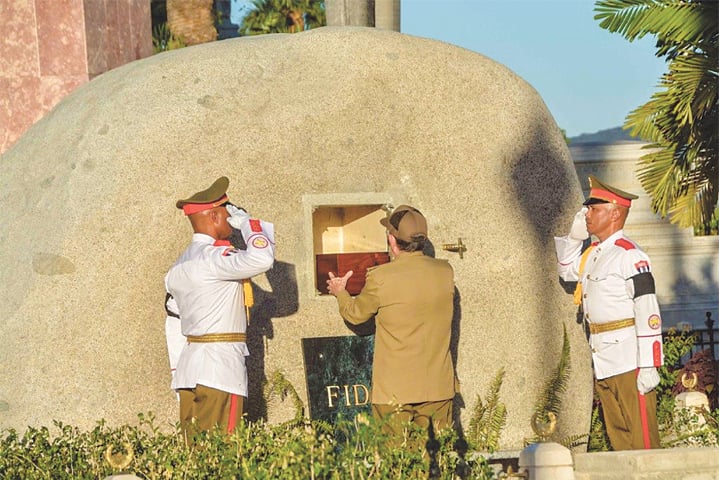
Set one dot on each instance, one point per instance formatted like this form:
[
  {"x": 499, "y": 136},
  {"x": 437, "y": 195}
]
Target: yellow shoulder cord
[
  {"x": 582, "y": 262},
  {"x": 249, "y": 298}
]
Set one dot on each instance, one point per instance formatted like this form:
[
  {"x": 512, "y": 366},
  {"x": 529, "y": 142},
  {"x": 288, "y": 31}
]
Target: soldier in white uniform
[
  {"x": 616, "y": 294},
  {"x": 205, "y": 286}
]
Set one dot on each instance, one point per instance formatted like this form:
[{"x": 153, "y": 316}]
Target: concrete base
[
  {"x": 669, "y": 464},
  {"x": 547, "y": 461}
]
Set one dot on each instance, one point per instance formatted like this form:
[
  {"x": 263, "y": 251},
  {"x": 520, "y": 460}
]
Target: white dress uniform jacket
[
  {"x": 173, "y": 333},
  {"x": 617, "y": 284},
  {"x": 205, "y": 284}
]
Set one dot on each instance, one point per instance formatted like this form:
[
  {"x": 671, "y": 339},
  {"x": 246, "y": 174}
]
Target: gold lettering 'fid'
[
  {"x": 458, "y": 247},
  {"x": 358, "y": 396}
]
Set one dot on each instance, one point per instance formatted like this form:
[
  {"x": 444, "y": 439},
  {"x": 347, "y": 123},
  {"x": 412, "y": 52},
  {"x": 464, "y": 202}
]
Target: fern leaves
[{"x": 488, "y": 419}]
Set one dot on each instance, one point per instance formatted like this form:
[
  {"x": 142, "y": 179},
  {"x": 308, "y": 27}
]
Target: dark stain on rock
[
  {"x": 51, "y": 264},
  {"x": 208, "y": 101}
]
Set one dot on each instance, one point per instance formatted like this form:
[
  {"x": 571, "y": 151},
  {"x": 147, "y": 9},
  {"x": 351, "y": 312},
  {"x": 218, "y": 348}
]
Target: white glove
[
  {"x": 579, "y": 226},
  {"x": 647, "y": 380},
  {"x": 238, "y": 216}
]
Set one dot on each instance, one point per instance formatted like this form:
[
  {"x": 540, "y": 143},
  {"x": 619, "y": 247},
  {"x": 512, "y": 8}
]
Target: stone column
[
  {"x": 387, "y": 14},
  {"x": 356, "y": 13}
]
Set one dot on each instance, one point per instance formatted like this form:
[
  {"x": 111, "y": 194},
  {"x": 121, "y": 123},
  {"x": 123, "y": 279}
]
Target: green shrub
[{"x": 295, "y": 450}]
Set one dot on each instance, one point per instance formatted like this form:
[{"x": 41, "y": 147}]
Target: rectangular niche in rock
[{"x": 347, "y": 237}]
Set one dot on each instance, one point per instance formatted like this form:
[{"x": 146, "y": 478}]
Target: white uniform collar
[
  {"x": 202, "y": 238},
  {"x": 613, "y": 237}
]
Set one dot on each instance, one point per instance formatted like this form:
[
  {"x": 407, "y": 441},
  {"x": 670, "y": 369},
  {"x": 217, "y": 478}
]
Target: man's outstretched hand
[{"x": 337, "y": 284}]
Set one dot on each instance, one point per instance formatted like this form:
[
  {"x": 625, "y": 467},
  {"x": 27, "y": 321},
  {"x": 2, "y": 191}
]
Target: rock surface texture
[{"x": 331, "y": 116}]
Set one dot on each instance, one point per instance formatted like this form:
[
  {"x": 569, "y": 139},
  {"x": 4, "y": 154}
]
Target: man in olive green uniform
[{"x": 411, "y": 298}]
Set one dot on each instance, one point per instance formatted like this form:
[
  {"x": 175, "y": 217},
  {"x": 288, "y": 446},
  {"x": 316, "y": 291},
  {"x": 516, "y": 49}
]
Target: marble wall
[{"x": 50, "y": 47}]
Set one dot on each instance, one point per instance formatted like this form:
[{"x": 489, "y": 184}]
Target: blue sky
[{"x": 589, "y": 78}]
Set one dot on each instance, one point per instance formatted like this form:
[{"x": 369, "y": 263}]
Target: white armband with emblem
[{"x": 647, "y": 317}]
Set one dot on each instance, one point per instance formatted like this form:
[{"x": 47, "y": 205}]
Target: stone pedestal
[
  {"x": 689, "y": 419},
  {"x": 547, "y": 461}
]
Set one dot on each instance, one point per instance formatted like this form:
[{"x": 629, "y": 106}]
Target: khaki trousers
[
  {"x": 202, "y": 408},
  {"x": 396, "y": 416},
  {"x": 622, "y": 415}
]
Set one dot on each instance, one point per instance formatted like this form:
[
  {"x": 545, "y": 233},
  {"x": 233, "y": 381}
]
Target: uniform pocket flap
[{"x": 617, "y": 336}]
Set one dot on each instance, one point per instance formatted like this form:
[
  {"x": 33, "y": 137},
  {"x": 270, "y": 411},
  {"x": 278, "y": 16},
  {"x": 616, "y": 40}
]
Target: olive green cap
[
  {"x": 600, "y": 192},
  {"x": 211, "y": 197}
]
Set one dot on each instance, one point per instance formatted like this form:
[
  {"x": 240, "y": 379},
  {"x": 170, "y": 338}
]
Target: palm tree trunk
[
  {"x": 297, "y": 19},
  {"x": 191, "y": 20}
]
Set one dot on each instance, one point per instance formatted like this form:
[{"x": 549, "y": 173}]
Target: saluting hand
[
  {"x": 578, "y": 231},
  {"x": 337, "y": 284},
  {"x": 238, "y": 216}
]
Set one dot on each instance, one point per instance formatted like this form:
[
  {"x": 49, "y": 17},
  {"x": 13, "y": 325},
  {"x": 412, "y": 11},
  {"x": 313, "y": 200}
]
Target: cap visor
[{"x": 594, "y": 201}]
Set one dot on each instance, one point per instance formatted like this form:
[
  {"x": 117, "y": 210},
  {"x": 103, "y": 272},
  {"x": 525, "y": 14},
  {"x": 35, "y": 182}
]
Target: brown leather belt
[
  {"x": 609, "y": 326},
  {"x": 218, "y": 337}
]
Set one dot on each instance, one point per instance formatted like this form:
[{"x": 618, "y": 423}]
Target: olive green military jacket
[{"x": 412, "y": 298}]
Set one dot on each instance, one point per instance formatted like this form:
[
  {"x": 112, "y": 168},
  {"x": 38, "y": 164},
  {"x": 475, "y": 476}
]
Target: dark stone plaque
[{"x": 339, "y": 375}]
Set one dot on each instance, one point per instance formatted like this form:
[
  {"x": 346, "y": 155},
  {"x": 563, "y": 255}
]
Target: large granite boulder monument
[{"x": 320, "y": 133}]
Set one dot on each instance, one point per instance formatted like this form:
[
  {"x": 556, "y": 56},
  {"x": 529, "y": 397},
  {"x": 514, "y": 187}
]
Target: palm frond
[
  {"x": 682, "y": 173},
  {"x": 283, "y": 16},
  {"x": 672, "y": 22}
]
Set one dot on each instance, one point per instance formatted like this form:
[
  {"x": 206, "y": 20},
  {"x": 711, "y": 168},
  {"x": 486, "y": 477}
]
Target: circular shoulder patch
[
  {"x": 654, "y": 322},
  {"x": 259, "y": 242}
]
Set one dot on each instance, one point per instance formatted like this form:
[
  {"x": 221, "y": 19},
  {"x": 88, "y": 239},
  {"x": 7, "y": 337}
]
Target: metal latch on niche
[{"x": 458, "y": 247}]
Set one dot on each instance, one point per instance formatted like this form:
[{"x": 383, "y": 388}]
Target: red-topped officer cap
[
  {"x": 603, "y": 193},
  {"x": 212, "y": 197}
]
